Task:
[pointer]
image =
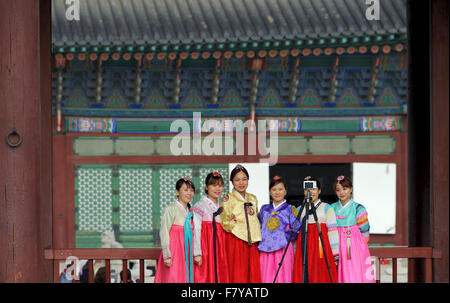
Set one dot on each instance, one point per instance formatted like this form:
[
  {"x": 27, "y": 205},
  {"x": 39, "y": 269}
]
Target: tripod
[
  {"x": 305, "y": 204},
  {"x": 289, "y": 241},
  {"x": 309, "y": 203}
]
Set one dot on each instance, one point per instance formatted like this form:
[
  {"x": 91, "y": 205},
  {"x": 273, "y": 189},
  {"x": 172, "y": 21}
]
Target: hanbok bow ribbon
[
  {"x": 218, "y": 212},
  {"x": 246, "y": 206},
  {"x": 188, "y": 248}
]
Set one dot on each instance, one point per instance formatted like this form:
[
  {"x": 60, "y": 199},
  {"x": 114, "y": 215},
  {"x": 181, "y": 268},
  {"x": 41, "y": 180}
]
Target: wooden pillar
[
  {"x": 25, "y": 174},
  {"x": 428, "y": 132},
  {"x": 419, "y": 216},
  {"x": 439, "y": 135}
]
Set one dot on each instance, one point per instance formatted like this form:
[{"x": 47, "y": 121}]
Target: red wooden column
[
  {"x": 25, "y": 174},
  {"x": 439, "y": 135}
]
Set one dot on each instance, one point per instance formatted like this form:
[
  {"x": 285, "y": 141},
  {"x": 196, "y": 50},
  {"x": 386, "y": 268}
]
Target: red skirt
[
  {"x": 317, "y": 267},
  {"x": 243, "y": 260},
  {"x": 206, "y": 273}
]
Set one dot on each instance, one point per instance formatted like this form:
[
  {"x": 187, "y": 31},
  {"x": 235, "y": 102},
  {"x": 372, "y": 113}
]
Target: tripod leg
[
  {"x": 289, "y": 241},
  {"x": 305, "y": 245},
  {"x": 284, "y": 253}
]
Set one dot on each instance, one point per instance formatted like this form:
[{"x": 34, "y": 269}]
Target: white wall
[
  {"x": 374, "y": 186},
  {"x": 258, "y": 183}
]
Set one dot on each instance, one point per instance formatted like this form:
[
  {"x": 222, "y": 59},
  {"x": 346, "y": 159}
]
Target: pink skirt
[
  {"x": 355, "y": 264},
  {"x": 176, "y": 273},
  {"x": 270, "y": 262}
]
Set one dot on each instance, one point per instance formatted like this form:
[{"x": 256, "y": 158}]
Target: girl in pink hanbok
[
  {"x": 355, "y": 264},
  {"x": 175, "y": 264}
]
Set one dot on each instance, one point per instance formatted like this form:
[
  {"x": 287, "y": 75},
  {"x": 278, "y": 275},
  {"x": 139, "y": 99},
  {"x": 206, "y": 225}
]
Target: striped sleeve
[
  {"x": 198, "y": 218},
  {"x": 362, "y": 221},
  {"x": 333, "y": 235}
]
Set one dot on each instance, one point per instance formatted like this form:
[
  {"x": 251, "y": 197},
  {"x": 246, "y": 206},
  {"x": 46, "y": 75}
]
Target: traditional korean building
[{"x": 334, "y": 82}]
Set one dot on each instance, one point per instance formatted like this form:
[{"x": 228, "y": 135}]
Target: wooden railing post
[
  {"x": 394, "y": 270},
  {"x": 378, "y": 270},
  {"x": 428, "y": 270},
  {"x": 142, "y": 271},
  {"x": 91, "y": 270},
  {"x": 411, "y": 270},
  {"x": 108, "y": 271},
  {"x": 124, "y": 277}
]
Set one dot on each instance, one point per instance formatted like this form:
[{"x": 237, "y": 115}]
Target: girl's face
[
  {"x": 344, "y": 193},
  {"x": 185, "y": 194},
  {"x": 315, "y": 192},
  {"x": 215, "y": 190},
  {"x": 240, "y": 182},
  {"x": 278, "y": 192}
]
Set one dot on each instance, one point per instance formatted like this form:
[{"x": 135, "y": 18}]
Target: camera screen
[{"x": 309, "y": 184}]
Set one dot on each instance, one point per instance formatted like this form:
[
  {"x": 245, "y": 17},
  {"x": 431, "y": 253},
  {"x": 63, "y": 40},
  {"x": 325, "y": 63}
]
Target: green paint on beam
[
  {"x": 135, "y": 146},
  {"x": 330, "y": 145},
  {"x": 370, "y": 145},
  {"x": 93, "y": 146},
  {"x": 330, "y": 125}
]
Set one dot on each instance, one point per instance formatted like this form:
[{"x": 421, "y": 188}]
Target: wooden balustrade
[
  {"x": 410, "y": 253},
  {"x": 106, "y": 254},
  {"x": 142, "y": 254}
]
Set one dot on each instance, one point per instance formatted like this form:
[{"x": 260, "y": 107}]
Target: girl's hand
[
  {"x": 225, "y": 198},
  {"x": 168, "y": 262},
  {"x": 198, "y": 260}
]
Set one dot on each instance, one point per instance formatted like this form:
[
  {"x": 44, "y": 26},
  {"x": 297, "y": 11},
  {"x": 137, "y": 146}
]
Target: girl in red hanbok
[
  {"x": 243, "y": 232},
  {"x": 317, "y": 269}
]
